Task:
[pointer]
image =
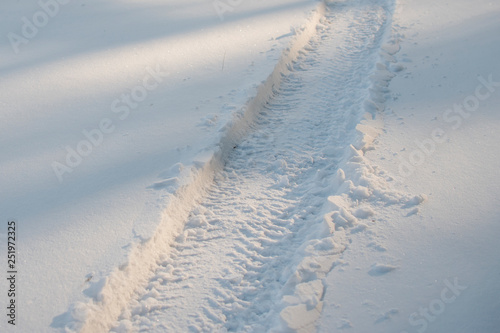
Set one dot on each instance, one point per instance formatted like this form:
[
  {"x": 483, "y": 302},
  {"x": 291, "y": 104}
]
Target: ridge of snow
[
  {"x": 118, "y": 288},
  {"x": 310, "y": 234},
  {"x": 361, "y": 187}
]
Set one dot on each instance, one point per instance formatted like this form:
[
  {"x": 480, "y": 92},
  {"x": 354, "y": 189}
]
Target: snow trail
[{"x": 253, "y": 255}]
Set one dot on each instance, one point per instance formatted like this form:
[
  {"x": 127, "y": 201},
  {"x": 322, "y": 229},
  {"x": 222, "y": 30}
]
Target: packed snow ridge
[{"x": 257, "y": 223}]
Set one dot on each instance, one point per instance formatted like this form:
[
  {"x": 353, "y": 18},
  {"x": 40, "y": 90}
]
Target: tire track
[{"x": 253, "y": 254}]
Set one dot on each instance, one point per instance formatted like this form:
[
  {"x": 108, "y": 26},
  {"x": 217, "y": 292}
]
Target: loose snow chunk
[
  {"x": 344, "y": 219},
  {"x": 328, "y": 225},
  {"x": 337, "y": 202},
  {"x": 381, "y": 269},
  {"x": 416, "y": 200},
  {"x": 80, "y": 311},
  {"x": 325, "y": 244},
  {"x": 145, "y": 306},
  {"x": 397, "y": 68},
  {"x": 364, "y": 213},
  {"x": 95, "y": 289},
  {"x": 368, "y": 134},
  {"x": 299, "y": 318},
  {"x": 359, "y": 228},
  {"x": 362, "y": 192},
  {"x": 197, "y": 221},
  {"x": 414, "y": 211},
  {"x": 310, "y": 293},
  {"x": 124, "y": 327},
  {"x": 340, "y": 176},
  {"x": 391, "y": 47}
]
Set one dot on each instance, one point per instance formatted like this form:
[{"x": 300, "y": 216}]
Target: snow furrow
[
  {"x": 253, "y": 255},
  {"x": 112, "y": 294}
]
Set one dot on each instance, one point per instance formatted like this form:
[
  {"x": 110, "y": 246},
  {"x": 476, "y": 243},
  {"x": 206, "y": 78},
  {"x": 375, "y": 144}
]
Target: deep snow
[
  {"x": 396, "y": 233},
  {"x": 65, "y": 80}
]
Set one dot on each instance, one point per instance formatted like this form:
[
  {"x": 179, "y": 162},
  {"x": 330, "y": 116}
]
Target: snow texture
[{"x": 348, "y": 190}]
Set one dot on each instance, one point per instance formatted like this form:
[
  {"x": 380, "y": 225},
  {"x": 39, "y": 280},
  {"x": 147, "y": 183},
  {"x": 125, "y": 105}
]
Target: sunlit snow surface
[{"x": 162, "y": 181}]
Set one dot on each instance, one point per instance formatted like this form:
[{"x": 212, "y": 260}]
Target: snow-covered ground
[
  {"x": 152, "y": 83},
  {"x": 440, "y": 138},
  {"x": 251, "y": 166}
]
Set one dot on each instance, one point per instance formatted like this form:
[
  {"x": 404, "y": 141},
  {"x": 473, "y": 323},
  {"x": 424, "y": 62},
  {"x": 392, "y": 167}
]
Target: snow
[
  {"x": 66, "y": 80},
  {"x": 252, "y": 166},
  {"x": 443, "y": 256}
]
